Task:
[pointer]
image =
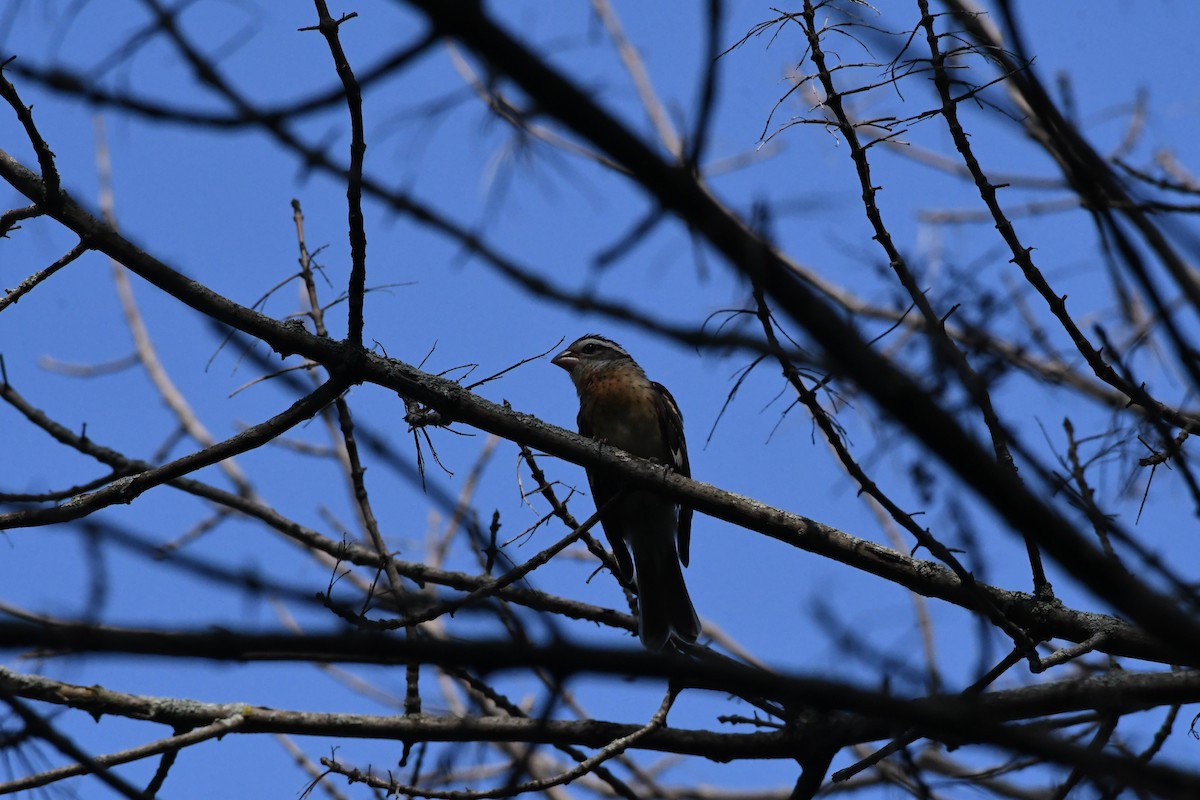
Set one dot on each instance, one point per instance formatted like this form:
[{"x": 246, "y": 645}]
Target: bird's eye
[{"x": 589, "y": 348}]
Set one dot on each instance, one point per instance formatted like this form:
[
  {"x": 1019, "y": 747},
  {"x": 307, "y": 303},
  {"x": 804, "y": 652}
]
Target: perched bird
[{"x": 620, "y": 406}]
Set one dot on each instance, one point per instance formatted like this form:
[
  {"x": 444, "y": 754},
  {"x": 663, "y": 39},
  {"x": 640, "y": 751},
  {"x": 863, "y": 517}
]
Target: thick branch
[{"x": 947, "y": 717}]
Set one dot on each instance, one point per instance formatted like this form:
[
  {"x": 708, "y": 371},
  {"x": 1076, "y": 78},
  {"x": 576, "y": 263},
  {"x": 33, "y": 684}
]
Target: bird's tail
[{"x": 664, "y": 606}]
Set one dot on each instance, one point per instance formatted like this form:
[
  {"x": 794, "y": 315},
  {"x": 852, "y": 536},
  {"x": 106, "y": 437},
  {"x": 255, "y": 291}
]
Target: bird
[{"x": 620, "y": 406}]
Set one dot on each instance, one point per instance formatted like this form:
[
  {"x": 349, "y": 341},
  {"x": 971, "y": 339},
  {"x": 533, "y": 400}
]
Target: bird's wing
[{"x": 670, "y": 421}]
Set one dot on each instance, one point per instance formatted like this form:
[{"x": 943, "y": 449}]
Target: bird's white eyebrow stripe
[{"x": 603, "y": 342}]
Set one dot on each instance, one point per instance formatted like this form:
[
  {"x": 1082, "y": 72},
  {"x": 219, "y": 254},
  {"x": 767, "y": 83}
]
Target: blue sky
[{"x": 215, "y": 205}]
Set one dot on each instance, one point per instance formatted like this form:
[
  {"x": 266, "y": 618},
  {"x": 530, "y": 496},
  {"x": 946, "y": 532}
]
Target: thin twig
[
  {"x": 175, "y": 743},
  {"x": 328, "y": 28}
]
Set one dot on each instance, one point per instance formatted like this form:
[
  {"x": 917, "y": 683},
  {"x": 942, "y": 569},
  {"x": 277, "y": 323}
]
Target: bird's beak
[{"x": 566, "y": 359}]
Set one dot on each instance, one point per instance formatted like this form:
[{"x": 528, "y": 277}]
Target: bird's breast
[{"x": 624, "y": 416}]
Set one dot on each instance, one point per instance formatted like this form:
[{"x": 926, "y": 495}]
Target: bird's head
[{"x": 590, "y": 354}]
